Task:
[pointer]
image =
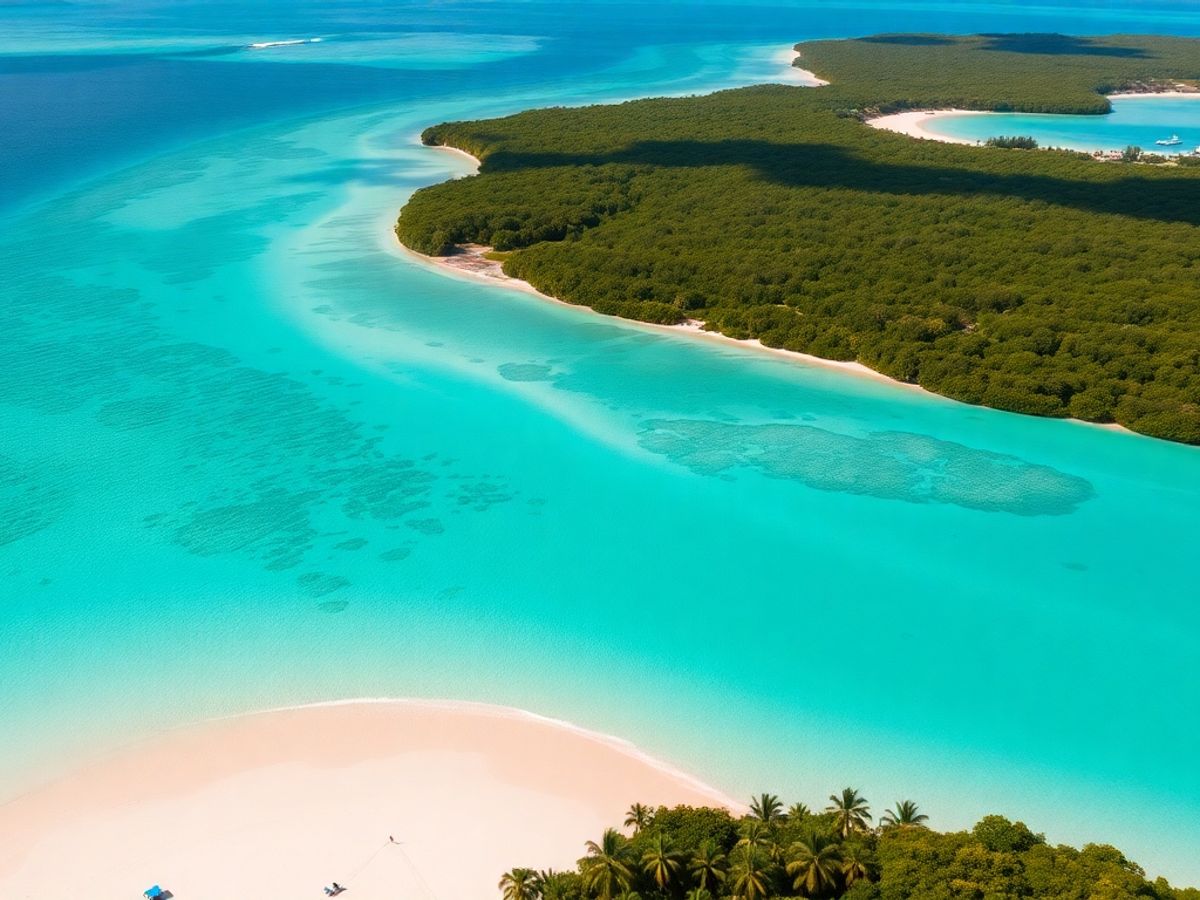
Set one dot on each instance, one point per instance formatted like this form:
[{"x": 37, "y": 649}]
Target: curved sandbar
[
  {"x": 916, "y": 123},
  {"x": 278, "y": 804}
]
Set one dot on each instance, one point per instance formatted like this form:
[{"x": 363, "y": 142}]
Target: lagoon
[{"x": 253, "y": 456}]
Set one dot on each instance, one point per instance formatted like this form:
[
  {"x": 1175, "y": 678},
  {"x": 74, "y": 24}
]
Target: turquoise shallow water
[
  {"x": 1137, "y": 121},
  {"x": 253, "y": 455}
]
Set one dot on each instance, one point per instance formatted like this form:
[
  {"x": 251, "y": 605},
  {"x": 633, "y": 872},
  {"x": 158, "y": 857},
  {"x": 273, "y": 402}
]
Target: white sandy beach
[
  {"x": 793, "y": 74},
  {"x": 456, "y": 151},
  {"x": 1132, "y": 95},
  {"x": 279, "y": 804},
  {"x": 916, "y": 123}
]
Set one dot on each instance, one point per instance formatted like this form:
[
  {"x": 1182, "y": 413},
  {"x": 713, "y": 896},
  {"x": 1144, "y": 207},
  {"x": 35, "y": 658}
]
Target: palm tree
[
  {"x": 699, "y": 893},
  {"x": 605, "y": 870},
  {"x": 543, "y": 879},
  {"x": 708, "y": 865},
  {"x": 905, "y": 815},
  {"x": 519, "y": 884},
  {"x": 798, "y": 811},
  {"x": 815, "y": 864},
  {"x": 751, "y": 874},
  {"x": 628, "y": 895},
  {"x": 766, "y": 808},
  {"x": 857, "y": 863},
  {"x": 661, "y": 862},
  {"x": 638, "y": 817},
  {"x": 758, "y": 835},
  {"x": 850, "y": 810},
  {"x": 754, "y": 833},
  {"x": 556, "y": 885}
]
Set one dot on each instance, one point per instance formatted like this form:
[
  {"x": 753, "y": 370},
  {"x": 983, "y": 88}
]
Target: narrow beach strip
[{"x": 796, "y": 74}]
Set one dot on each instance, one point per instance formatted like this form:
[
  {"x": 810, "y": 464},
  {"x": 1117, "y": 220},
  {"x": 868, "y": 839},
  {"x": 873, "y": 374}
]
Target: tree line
[
  {"x": 703, "y": 853},
  {"x": 1036, "y": 73}
]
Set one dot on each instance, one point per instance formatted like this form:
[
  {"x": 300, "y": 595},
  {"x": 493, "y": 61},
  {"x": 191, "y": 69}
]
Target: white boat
[
  {"x": 267, "y": 45},
  {"x": 1173, "y": 141}
]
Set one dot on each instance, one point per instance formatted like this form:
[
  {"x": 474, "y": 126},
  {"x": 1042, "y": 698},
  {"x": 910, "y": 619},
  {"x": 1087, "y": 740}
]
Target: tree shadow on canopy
[
  {"x": 1158, "y": 197},
  {"x": 1059, "y": 45}
]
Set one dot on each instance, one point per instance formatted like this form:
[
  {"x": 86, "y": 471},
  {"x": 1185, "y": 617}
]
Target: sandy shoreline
[
  {"x": 281, "y": 803},
  {"x": 919, "y": 123},
  {"x": 798, "y": 75},
  {"x": 470, "y": 263},
  {"x": 454, "y": 150},
  {"x": 1133, "y": 95},
  {"x": 914, "y": 123}
]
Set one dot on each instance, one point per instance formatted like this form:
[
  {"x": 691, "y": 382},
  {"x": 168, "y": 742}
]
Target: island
[
  {"x": 1036, "y": 282},
  {"x": 703, "y": 853}
]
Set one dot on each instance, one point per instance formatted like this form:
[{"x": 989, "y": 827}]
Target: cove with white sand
[{"x": 1140, "y": 120}]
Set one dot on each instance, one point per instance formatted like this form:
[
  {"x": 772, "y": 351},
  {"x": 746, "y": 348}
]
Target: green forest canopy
[
  {"x": 1043, "y": 283},
  {"x": 1038, "y": 73},
  {"x": 700, "y": 853}
]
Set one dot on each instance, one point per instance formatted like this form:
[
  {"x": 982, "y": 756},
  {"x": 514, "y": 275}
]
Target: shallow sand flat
[{"x": 279, "y": 804}]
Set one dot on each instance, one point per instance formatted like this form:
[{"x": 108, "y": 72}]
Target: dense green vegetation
[
  {"x": 1002, "y": 72},
  {"x": 689, "y": 853},
  {"x": 1043, "y": 283},
  {"x": 1016, "y": 142}
]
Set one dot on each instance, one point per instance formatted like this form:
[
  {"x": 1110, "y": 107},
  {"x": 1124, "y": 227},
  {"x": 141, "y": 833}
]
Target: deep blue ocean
[{"x": 251, "y": 454}]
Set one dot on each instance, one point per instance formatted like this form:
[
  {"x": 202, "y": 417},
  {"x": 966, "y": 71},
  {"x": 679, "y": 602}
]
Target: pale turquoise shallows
[
  {"x": 1134, "y": 121},
  {"x": 254, "y": 455}
]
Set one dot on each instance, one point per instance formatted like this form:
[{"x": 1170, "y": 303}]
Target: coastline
[
  {"x": 463, "y": 153},
  {"x": 1133, "y": 95},
  {"x": 800, "y": 75},
  {"x": 281, "y": 802},
  {"x": 469, "y": 264}
]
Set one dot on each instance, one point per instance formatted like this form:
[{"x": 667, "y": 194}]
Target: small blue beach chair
[{"x": 153, "y": 893}]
